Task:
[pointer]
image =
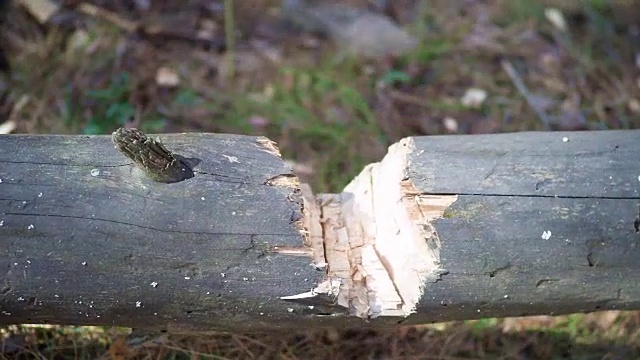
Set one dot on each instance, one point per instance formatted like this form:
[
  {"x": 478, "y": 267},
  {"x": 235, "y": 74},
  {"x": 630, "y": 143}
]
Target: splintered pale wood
[
  {"x": 544, "y": 223},
  {"x": 87, "y": 238}
]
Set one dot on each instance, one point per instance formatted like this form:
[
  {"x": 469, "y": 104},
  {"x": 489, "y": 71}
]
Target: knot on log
[{"x": 151, "y": 156}]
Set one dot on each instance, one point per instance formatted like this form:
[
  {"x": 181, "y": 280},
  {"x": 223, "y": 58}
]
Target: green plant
[
  {"x": 112, "y": 107},
  {"x": 326, "y": 111}
]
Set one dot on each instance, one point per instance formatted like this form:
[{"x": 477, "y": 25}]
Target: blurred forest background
[{"x": 335, "y": 83}]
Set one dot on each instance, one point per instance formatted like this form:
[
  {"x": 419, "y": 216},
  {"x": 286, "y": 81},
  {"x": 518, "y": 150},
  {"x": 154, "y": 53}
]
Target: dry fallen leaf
[{"x": 119, "y": 350}]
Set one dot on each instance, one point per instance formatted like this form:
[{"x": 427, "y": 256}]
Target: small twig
[
  {"x": 151, "y": 156},
  {"x": 229, "y": 37},
  {"x": 141, "y": 28},
  {"x": 522, "y": 88},
  {"x": 109, "y": 16},
  {"x": 408, "y": 98},
  {"x": 11, "y": 124}
]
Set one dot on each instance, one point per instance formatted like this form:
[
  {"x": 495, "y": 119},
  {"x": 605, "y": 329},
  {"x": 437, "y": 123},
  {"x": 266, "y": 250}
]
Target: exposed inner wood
[
  {"x": 379, "y": 243},
  {"x": 312, "y": 227},
  {"x": 268, "y": 145}
]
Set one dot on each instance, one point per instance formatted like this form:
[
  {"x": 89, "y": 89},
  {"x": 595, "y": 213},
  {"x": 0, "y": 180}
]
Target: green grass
[
  {"x": 320, "y": 108},
  {"x": 112, "y": 106}
]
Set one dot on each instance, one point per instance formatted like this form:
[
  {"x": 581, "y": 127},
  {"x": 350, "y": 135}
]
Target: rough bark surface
[
  {"x": 513, "y": 224},
  {"x": 545, "y": 223},
  {"x": 87, "y": 238}
]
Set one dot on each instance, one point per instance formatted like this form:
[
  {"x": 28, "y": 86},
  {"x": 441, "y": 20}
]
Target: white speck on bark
[{"x": 546, "y": 235}]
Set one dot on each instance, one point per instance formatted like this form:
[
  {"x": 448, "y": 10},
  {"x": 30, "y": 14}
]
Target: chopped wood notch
[{"x": 376, "y": 239}]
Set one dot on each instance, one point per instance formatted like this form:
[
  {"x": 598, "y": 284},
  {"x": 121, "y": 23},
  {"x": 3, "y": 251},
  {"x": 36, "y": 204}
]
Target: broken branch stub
[{"x": 379, "y": 243}]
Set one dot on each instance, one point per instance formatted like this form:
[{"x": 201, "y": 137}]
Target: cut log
[
  {"x": 443, "y": 228},
  {"x": 464, "y": 227},
  {"x": 88, "y": 238}
]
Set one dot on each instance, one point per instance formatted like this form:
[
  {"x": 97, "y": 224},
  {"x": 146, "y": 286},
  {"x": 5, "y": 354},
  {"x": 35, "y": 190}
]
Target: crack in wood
[
  {"x": 636, "y": 222},
  {"x": 543, "y": 282},
  {"x": 491, "y": 172},
  {"x": 241, "y": 181},
  {"x": 149, "y": 227},
  {"x": 56, "y": 164},
  {"x": 496, "y": 271},
  {"x": 536, "y": 196}
]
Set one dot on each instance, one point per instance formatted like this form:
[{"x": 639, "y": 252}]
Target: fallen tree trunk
[{"x": 443, "y": 228}]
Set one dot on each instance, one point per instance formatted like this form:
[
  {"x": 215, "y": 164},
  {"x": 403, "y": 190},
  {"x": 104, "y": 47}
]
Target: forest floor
[{"x": 477, "y": 67}]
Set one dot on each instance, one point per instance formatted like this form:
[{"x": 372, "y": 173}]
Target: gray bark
[
  {"x": 87, "y": 238},
  {"x": 511, "y": 189}
]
